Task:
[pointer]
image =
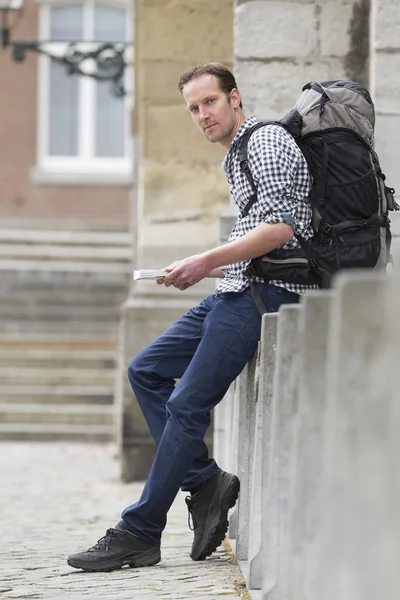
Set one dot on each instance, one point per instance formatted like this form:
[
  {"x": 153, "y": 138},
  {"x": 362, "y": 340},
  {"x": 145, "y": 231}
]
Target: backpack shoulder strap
[{"x": 244, "y": 161}]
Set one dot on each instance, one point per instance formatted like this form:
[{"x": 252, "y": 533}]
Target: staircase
[{"x": 60, "y": 296}]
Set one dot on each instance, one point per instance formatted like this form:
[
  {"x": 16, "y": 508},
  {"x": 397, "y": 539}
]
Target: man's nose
[{"x": 204, "y": 114}]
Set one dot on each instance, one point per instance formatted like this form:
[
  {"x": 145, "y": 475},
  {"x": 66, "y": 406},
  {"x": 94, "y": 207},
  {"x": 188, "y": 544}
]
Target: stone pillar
[
  {"x": 262, "y": 451},
  {"x": 360, "y": 553},
  {"x": 277, "y": 506},
  {"x": 247, "y": 420},
  {"x": 307, "y": 514},
  {"x": 180, "y": 188}
]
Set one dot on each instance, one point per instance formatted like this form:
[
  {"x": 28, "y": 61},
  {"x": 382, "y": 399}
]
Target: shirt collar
[{"x": 244, "y": 127}]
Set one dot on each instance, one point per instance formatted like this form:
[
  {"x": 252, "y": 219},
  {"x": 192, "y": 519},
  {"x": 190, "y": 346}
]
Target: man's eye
[
  {"x": 194, "y": 109},
  {"x": 211, "y": 101}
]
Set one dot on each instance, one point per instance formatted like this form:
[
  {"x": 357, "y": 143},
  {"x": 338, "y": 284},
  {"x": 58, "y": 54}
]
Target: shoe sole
[
  {"x": 148, "y": 558},
  {"x": 218, "y": 533}
]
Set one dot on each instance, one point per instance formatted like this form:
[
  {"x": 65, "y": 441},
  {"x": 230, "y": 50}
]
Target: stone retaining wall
[{"x": 311, "y": 428}]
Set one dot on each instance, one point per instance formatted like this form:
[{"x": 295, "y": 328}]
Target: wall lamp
[{"x": 101, "y": 61}]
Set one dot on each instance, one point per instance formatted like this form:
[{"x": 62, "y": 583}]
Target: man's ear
[{"x": 235, "y": 98}]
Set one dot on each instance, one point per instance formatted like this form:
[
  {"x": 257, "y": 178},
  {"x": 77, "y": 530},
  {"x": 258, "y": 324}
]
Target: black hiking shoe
[
  {"x": 117, "y": 548},
  {"x": 209, "y": 510}
]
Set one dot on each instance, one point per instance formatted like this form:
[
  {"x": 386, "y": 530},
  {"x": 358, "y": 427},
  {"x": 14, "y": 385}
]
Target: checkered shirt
[{"x": 283, "y": 184}]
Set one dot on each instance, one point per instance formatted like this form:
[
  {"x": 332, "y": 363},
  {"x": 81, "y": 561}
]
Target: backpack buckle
[{"x": 325, "y": 227}]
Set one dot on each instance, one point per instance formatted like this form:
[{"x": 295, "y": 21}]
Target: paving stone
[{"x": 58, "y": 498}]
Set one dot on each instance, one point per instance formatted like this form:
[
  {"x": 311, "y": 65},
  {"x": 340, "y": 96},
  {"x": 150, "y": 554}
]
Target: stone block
[
  {"x": 360, "y": 553},
  {"x": 247, "y": 418},
  {"x": 160, "y": 81},
  {"x": 386, "y": 24},
  {"x": 277, "y": 506},
  {"x": 186, "y": 191},
  {"x": 181, "y": 207},
  {"x": 270, "y": 90},
  {"x": 275, "y": 29},
  {"x": 170, "y": 134},
  {"x": 262, "y": 451},
  {"x": 334, "y": 31},
  {"x": 386, "y": 89},
  {"x": 306, "y": 507},
  {"x": 197, "y": 31},
  {"x": 179, "y": 235}
]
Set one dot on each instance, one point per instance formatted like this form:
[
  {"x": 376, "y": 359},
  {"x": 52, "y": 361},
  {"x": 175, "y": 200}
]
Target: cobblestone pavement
[{"x": 60, "y": 498}]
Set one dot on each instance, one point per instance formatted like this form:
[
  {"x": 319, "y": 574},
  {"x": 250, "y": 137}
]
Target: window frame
[{"x": 85, "y": 165}]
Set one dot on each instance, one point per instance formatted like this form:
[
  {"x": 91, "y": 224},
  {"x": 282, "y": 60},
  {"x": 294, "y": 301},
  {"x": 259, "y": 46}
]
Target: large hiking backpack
[{"x": 333, "y": 125}]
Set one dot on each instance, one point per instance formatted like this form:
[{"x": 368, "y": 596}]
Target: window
[{"x": 84, "y": 129}]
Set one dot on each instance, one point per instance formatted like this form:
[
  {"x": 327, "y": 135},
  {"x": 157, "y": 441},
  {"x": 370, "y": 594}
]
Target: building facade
[{"x": 66, "y": 144}]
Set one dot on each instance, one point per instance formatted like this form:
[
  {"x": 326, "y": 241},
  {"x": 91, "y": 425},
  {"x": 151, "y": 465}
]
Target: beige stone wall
[
  {"x": 280, "y": 46},
  {"x": 385, "y": 85},
  {"x": 182, "y": 188}
]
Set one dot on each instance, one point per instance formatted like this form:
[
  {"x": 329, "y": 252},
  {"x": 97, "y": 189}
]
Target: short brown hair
[{"x": 226, "y": 78}]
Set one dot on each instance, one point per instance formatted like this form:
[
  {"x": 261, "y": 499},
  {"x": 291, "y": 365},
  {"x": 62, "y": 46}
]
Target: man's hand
[{"x": 183, "y": 274}]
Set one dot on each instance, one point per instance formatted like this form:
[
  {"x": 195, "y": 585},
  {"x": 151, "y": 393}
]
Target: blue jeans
[{"x": 206, "y": 350}]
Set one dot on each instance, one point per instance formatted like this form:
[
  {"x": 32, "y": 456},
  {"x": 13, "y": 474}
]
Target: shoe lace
[
  {"x": 189, "y": 502},
  {"x": 103, "y": 543}
]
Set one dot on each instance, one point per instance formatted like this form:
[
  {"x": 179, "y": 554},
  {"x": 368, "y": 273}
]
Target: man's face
[{"x": 214, "y": 113}]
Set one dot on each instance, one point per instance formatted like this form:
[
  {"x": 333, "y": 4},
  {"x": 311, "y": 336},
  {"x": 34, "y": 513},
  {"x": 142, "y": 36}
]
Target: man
[{"x": 207, "y": 348}]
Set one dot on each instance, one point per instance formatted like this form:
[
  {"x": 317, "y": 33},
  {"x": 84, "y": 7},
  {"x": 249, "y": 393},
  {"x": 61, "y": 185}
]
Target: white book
[{"x": 149, "y": 274}]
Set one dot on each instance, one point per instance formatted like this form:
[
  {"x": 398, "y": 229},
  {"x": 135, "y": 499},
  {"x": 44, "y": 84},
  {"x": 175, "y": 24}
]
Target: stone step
[
  {"x": 56, "y": 394},
  {"x": 56, "y": 432},
  {"x": 69, "y": 279},
  {"x": 65, "y": 236},
  {"x": 30, "y": 327},
  {"x": 64, "y": 265},
  {"x": 62, "y": 414},
  {"x": 62, "y": 252},
  {"x": 56, "y": 376},
  {"x": 28, "y": 398},
  {"x": 36, "y": 358},
  {"x": 58, "y": 343},
  {"x": 62, "y": 297},
  {"x": 72, "y": 327},
  {"x": 70, "y": 312}
]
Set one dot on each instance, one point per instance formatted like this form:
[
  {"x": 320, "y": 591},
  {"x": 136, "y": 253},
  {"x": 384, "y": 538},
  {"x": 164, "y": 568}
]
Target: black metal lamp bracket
[{"x": 109, "y": 60}]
